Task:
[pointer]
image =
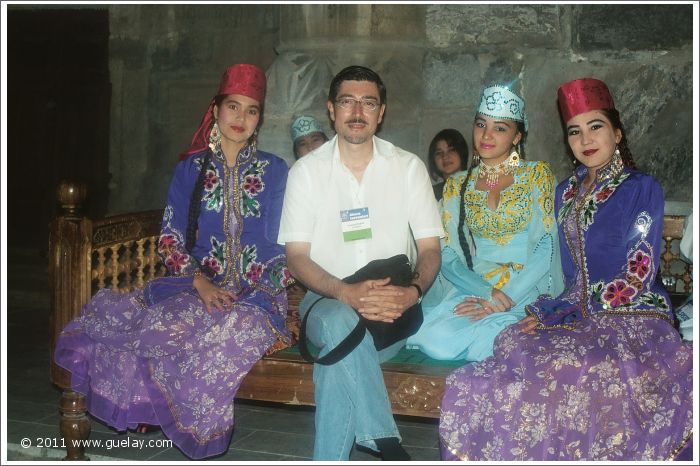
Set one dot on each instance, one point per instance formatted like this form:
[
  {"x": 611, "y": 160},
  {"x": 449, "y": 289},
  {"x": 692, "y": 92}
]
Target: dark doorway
[{"x": 57, "y": 115}]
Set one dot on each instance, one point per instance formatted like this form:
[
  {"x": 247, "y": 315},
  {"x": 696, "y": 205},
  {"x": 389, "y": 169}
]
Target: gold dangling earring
[
  {"x": 617, "y": 159},
  {"x": 514, "y": 158},
  {"x": 214, "y": 136}
]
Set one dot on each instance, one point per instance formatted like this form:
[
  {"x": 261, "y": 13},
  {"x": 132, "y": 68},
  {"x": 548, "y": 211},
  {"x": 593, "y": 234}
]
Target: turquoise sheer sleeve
[
  {"x": 454, "y": 264},
  {"x": 465, "y": 280},
  {"x": 542, "y": 270}
]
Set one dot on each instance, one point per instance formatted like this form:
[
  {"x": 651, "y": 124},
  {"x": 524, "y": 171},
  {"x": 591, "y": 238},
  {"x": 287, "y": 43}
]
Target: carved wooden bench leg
[{"x": 75, "y": 425}]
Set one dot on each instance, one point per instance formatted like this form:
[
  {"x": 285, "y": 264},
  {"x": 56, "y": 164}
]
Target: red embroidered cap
[
  {"x": 247, "y": 80},
  {"x": 244, "y": 79},
  {"x": 583, "y": 95}
]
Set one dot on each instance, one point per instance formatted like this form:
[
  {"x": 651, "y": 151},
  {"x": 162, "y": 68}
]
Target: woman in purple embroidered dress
[
  {"x": 175, "y": 353},
  {"x": 599, "y": 372}
]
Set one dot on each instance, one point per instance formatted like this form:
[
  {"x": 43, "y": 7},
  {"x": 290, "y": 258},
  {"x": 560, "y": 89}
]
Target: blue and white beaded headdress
[
  {"x": 303, "y": 126},
  {"x": 498, "y": 101}
]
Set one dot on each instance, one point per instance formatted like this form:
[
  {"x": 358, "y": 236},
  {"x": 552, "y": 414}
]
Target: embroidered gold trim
[
  {"x": 583, "y": 266},
  {"x": 682, "y": 445}
]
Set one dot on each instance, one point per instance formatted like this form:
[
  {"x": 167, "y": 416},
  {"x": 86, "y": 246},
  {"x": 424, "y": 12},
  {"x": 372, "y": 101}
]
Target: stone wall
[{"x": 166, "y": 61}]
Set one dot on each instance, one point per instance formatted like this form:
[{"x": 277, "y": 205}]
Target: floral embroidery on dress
[
  {"x": 590, "y": 204},
  {"x": 213, "y": 195},
  {"x": 450, "y": 195},
  {"x": 213, "y": 192},
  {"x": 621, "y": 292},
  {"x": 618, "y": 293},
  {"x": 252, "y": 270},
  {"x": 544, "y": 178},
  {"x": 568, "y": 197},
  {"x": 603, "y": 194},
  {"x": 446, "y": 217},
  {"x": 213, "y": 264},
  {"x": 640, "y": 264},
  {"x": 176, "y": 261},
  {"x": 654, "y": 300},
  {"x": 514, "y": 210},
  {"x": 252, "y": 185},
  {"x": 171, "y": 246},
  {"x": 166, "y": 243},
  {"x": 547, "y": 206},
  {"x": 280, "y": 275},
  {"x": 216, "y": 259},
  {"x": 512, "y": 216},
  {"x": 570, "y": 191},
  {"x": 452, "y": 186}
]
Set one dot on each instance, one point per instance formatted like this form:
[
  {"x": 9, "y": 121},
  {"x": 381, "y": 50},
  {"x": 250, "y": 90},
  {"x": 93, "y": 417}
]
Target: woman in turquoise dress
[{"x": 500, "y": 250}]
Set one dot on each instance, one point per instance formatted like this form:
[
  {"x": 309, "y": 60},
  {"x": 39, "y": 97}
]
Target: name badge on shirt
[{"x": 355, "y": 224}]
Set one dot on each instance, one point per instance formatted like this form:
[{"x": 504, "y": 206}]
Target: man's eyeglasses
[{"x": 349, "y": 103}]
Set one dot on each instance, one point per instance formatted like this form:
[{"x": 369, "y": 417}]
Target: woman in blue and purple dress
[
  {"x": 174, "y": 353},
  {"x": 598, "y": 372}
]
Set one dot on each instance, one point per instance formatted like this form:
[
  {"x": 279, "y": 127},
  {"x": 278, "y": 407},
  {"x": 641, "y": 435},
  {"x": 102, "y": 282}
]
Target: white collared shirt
[{"x": 395, "y": 187}]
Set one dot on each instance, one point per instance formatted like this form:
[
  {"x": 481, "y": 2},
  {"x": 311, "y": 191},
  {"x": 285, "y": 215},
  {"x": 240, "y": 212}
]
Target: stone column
[{"x": 317, "y": 41}]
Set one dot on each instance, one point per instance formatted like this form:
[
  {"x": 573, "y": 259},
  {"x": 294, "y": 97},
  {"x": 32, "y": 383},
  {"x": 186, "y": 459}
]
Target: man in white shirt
[{"x": 357, "y": 175}]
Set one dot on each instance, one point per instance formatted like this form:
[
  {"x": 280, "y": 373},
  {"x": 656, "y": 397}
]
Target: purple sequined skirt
[
  {"x": 614, "y": 388},
  {"x": 171, "y": 364}
]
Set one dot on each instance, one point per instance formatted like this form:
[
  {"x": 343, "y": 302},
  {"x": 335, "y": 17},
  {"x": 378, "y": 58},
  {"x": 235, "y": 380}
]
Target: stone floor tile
[
  {"x": 280, "y": 420},
  {"x": 423, "y": 454},
  {"x": 29, "y": 410},
  {"x": 280, "y": 443},
  {"x": 426, "y": 437}
]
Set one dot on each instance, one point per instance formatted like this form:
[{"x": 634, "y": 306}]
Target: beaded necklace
[{"x": 504, "y": 168}]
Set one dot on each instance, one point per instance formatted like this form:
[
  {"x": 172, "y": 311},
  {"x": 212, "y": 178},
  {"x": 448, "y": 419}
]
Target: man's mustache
[{"x": 356, "y": 120}]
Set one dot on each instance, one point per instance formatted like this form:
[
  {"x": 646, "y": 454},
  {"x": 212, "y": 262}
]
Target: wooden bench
[{"x": 120, "y": 252}]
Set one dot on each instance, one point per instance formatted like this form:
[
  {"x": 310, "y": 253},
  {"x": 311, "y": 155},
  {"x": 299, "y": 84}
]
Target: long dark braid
[
  {"x": 460, "y": 226},
  {"x": 196, "y": 204},
  {"x": 196, "y": 197}
]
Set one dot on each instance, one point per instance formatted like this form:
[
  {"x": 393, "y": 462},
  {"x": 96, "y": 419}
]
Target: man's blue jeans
[{"x": 352, "y": 404}]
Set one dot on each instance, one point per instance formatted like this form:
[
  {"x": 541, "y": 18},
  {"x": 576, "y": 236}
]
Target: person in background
[
  {"x": 684, "y": 313},
  {"x": 386, "y": 193},
  {"x": 307, "y": 135},
  {"x": 448, "y": 153},
  {"x": 597, "y": 372},
  {"x": 174, "y": 353},
  {"x": 686, "y": 245},
  {"x": 501, "y": 248}
]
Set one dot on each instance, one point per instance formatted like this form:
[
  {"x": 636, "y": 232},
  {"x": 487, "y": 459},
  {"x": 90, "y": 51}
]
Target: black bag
[{"x": 384, "y": 334}]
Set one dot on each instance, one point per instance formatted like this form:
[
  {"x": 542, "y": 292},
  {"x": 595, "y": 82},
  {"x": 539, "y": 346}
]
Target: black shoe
[
  {"x": 391, "y": 449},
  {"x": 368, "y": 451}
]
